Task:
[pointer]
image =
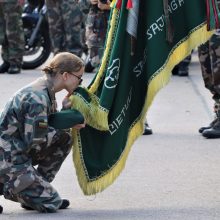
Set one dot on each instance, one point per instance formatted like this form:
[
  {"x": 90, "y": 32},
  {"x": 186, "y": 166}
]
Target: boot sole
[{"x": 211, "y": 136}]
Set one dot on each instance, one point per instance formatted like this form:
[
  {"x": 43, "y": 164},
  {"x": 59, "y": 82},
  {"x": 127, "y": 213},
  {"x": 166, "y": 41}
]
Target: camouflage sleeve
[
  {"x": 35, "y": 120},
  {"x": 84, "y": 5}
]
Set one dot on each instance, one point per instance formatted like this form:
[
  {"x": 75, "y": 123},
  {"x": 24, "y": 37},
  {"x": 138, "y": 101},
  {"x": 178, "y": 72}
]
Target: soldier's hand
[
  {"x": 104, "y": 6},
  {"x": 66, "y": 103},
  {"x": 21, "y": 2},
  {"x": 80, "y": 126},
  {"x": 94, "y": 2}
]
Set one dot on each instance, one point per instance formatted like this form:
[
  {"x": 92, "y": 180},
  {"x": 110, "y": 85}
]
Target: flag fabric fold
[
  {"x": 213, "y": 16},
  {"x": 115, "y": 103}
]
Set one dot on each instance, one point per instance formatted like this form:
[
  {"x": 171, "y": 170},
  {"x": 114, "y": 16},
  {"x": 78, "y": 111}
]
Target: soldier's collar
[{"x": 50, "y": 87}]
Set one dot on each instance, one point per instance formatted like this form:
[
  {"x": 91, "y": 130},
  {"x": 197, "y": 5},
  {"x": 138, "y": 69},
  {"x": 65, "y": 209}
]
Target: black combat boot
[
  {"x": 65, "y": 204},
  {"x": 184, "y": 66},
  {"x": 183, "y": 73},
  {"x": 180, "y": 70},
  {"x": 214, "y": 131},
  {"x": 14, "y": 69},
  {"x": 1, "y": 193},
  {"x": 147, "y": 129},
  {"x": 89, "y": 67},
  {"x": 183, "y": 69},
  {"x": 1, "y": 189},
  {"x": 175, "y": 70},
  {"x": 4, "y": 67},
  {"x": 208, "y": 126}
]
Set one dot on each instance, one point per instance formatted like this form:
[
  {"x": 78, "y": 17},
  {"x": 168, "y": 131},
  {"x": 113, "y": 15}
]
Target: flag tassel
[
  {"x": 119, "y": 4},
  {"x": 129, "y": 4}
]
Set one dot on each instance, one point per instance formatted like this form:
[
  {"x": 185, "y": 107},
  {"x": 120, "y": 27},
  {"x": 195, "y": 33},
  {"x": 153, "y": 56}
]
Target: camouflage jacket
[
  {"x": 8, "y": 1},
  {"x": 24, "y": 125},
  {"x": 84, "y": 5}
]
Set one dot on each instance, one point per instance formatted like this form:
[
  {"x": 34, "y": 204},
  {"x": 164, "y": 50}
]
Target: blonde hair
[{"x": 63, "y": 62}]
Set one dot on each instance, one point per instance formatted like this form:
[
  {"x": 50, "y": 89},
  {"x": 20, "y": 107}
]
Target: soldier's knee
[{"x": 65, "y": 139}]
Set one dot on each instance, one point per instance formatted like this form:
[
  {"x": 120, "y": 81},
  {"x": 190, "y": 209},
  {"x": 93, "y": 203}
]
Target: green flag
[{"x": 137, "y": 63}]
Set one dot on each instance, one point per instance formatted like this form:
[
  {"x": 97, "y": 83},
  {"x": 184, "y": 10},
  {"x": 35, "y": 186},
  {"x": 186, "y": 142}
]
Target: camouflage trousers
[
  {"x": 209, "y": 57},
  {"x": 83, "y": 34},
  {"x": 64, "y": 17},
  {"x": 11, "y": 32},
  {"x": 30, "y": 185},
  {"x": 96, "y": 29}
]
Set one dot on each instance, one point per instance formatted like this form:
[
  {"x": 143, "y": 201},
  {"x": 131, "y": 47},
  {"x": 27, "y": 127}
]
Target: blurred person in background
[
  {"x": 65, "y": 18},
  {"x": 96, "y": 29},
  {"x": 11, "y": 35}
]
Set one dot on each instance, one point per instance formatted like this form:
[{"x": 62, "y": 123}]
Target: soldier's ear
[{"x": 65, "y": 76}]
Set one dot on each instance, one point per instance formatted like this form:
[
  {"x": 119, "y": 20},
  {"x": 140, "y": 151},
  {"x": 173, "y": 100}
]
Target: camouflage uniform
[
  {"x": 84, "y": 7},
  {"x": 11, "y": 32},
  {"x": 65, "y": 18},
  {"x": 96, "y": 29},
  {"x": 26, "y": 140},
  {"x": 209, "y": 57}
]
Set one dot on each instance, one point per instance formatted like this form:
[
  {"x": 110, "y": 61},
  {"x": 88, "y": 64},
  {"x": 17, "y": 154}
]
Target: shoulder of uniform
[{"x": 32, "y": 99}]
